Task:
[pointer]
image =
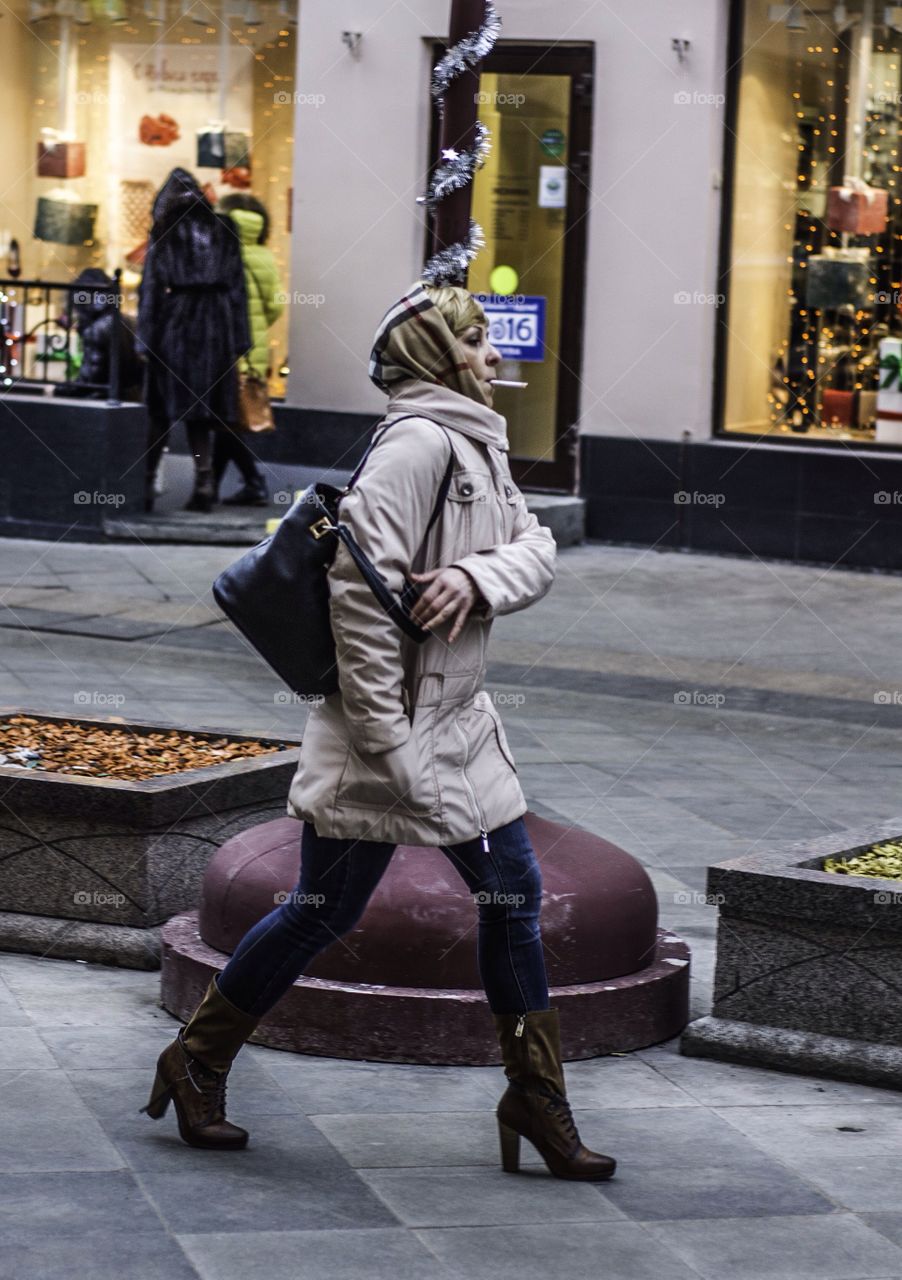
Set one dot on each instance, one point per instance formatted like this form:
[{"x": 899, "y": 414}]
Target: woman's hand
[{"x": 451, "y": 594}]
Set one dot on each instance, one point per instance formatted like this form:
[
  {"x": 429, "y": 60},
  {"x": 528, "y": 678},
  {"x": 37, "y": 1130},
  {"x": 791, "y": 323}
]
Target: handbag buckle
[{"x": 321, "y": 527}]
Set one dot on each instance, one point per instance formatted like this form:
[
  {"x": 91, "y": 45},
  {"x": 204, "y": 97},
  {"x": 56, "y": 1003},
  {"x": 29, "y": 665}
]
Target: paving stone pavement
[{"x": 687, "y": 707}]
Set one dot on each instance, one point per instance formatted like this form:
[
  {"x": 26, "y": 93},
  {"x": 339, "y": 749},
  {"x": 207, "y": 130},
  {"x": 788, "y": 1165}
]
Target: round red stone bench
[{"x": 404, "y": 985}]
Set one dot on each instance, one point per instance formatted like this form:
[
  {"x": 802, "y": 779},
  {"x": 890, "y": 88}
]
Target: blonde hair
[{"x": 457, "y": 305}]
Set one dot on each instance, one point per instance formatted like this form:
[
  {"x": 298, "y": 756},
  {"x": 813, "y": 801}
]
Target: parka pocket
[
  {"x": 484, "y": 703},
  {"x": 402, "y": 780},
  {"x": 471, "y": 487}
]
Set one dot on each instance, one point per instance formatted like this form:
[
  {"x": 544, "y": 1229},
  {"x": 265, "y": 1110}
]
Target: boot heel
[
  {"x": 160, "y": 1097},
  {"x": 510, "y": 1148}
]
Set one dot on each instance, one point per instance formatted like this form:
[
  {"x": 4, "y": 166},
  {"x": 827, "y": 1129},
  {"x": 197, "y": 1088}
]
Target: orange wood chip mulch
[{"x": 52, "y": 746}]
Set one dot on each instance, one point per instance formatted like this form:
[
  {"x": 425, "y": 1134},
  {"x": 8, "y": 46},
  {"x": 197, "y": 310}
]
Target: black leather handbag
[{"x": 277, "y": 594}]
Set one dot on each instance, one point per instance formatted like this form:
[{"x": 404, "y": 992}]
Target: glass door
[{"x": 531, "y": 199}]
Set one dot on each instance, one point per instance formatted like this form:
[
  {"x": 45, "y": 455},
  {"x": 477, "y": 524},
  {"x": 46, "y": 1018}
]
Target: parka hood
[
  {"x": 429, "y": 400},
  {"x": 249, "y": 224}
]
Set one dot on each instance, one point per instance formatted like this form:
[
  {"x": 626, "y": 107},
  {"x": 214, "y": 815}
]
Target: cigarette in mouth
[{"x": 501, "y": 382}]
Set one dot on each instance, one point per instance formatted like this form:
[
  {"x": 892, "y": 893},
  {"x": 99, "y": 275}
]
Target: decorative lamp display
[
  {"x": 60, "y": 157},
  {"x": 855, "y": 207},
  {"x": 60, "y": 220},
  {"x": 218, "y": 148},
  {"x": 110, "y": 10},
  {"x": 867, "y": 408},
  {"x": 837, "y": 277},
  {"x": 838, "y": 408},
  {"x": 889, "y": 395}
]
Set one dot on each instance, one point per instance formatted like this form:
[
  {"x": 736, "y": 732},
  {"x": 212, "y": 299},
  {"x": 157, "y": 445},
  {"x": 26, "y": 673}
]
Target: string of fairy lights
[{"x": 823, "y": 347}]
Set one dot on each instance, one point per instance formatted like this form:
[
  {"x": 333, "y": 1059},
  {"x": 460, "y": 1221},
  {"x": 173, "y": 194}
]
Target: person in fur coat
[{"x": 192, "y": 325}]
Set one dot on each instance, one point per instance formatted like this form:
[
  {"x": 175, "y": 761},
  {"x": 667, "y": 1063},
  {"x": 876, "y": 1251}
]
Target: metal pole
[
  {"x": 116, "y": 347},
  {"x": 859, "y": 72},
  {"x": 458, "y": 131}
]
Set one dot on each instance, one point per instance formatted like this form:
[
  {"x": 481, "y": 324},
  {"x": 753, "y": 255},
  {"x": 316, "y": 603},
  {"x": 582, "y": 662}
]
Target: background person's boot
[
  {"x": 204, "y": 494},
  {"x": 535, "y": 1106},
  {"x": 193, "y": 1070},
  {"x": 251, "y": 494}
]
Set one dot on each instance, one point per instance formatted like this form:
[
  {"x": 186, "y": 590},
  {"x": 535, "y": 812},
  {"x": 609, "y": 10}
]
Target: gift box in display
[
  {"x": 61, "y": 159},
  {"x": 838, "y": 408},
  {"x": 64, "y": 221},
  {"x": 859, "y": 209},
  {"x": 867, "y": 408},
  {"x": 220, "y": 149},
  {"x": 813, "y": 201},
  {"x": 889, "y": 394},
  {"x": 837, "y": 278}
]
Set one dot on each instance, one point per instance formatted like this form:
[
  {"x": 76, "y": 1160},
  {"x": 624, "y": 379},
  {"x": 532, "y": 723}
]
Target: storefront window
[
  {"x": 108, "y": 96},
  {"x": 815, "y": 276}
]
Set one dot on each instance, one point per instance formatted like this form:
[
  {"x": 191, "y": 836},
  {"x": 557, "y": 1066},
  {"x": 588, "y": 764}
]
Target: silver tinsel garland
[
  {"x": 449, "y": 266},
  {"x": 458, "y": 168},
  {"x": 466, "y": 53}
]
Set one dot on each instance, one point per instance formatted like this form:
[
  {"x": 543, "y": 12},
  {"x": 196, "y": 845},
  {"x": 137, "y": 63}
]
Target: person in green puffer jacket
[{"x": 264, "y": 306}]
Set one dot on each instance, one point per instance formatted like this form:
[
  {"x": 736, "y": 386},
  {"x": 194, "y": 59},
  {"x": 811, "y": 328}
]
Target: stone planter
[
  {"x": 91, "y": 867},
  {"x": 808, "y": 964}
]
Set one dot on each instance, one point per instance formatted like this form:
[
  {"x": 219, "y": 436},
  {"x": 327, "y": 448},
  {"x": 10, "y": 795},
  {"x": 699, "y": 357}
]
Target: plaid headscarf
[{"x": 414, "y": 341}]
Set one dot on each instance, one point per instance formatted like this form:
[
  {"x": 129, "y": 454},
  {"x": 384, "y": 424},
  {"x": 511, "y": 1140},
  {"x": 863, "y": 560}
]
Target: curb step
[{"x": 564, "y": 515}]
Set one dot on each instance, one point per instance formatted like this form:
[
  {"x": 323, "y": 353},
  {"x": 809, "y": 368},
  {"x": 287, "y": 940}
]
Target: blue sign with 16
[{"x": 516, "y": 325}]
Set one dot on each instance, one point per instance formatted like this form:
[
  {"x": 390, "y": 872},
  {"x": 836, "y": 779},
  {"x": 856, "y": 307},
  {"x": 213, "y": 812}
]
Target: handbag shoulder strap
[{"x": 445, "y": 485}]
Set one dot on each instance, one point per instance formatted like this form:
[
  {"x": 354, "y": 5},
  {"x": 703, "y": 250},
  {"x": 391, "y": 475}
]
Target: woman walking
[
  {"x": 264, "y": 308},
  {"x": 192, "y": 326},
  {"x": 412, "y": 750}
]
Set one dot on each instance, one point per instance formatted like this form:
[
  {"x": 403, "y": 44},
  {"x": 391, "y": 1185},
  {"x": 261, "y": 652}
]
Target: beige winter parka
[{"x": 412, "y": 749}]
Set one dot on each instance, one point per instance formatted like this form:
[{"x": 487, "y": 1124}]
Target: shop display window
[
  {"x": 106, "y": 98},
  {"x": 811, "y": 337}
]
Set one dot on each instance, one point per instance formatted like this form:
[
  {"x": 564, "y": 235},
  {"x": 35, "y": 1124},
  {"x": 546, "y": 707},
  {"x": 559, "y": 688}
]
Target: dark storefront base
[
  {"x": 67, "y": 465},
  {"x": 746, "y": 498}
]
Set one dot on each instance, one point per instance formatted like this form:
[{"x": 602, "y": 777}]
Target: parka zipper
[{"x": 483, "y": 833}]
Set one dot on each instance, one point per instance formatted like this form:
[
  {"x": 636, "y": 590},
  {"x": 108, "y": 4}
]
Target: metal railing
[{"x": 39, "y": 348}]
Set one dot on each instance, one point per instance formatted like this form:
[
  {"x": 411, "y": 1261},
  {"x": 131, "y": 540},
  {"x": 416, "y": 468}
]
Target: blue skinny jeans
[{"x": 337, "y": 879}]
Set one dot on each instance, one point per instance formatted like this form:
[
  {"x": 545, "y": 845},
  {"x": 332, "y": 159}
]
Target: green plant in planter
[{"x": 883, "y": 860}]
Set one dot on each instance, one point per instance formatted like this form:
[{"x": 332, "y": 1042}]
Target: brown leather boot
[
  {"x": 535, "y": 1106},
  {"x": 193, "y": 1070}
]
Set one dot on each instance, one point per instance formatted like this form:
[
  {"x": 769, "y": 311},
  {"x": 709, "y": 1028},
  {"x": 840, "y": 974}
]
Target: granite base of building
[
  {"x": 808, "y": 963},
  {"x": 806, "y": 1052},
  {"x": 55, "y": 939},
  {"x": 67, "y": 465},
  {"x": 432, "y": 1026},
  {"x": 744, "y": 496}
]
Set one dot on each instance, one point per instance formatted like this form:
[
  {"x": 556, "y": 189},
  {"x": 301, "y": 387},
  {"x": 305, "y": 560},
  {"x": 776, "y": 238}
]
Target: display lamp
[{"x": 790, "y": 14}]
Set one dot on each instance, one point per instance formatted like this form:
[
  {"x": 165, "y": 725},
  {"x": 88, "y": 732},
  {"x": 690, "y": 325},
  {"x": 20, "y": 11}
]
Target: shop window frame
[{"x": 719, "y": 429}]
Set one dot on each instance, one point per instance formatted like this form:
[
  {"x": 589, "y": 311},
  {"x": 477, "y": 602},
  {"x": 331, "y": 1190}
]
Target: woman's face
[{"x": 482, "y": 358}]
